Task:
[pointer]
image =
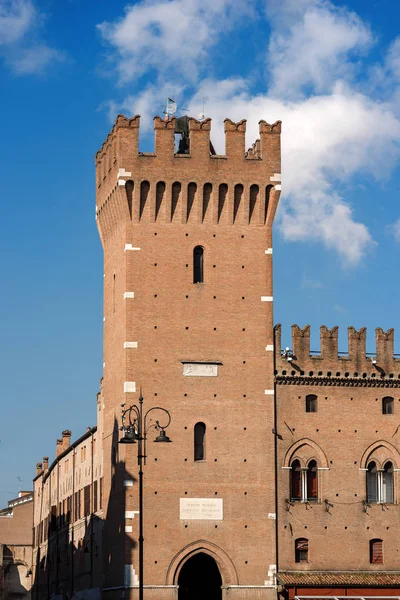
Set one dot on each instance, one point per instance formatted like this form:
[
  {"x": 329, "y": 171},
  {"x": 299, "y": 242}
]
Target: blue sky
[{"x": 329, "y": 71}]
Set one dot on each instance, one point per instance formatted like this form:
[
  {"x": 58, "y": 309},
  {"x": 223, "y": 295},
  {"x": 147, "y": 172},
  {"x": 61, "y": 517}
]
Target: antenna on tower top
[{"x": 170, "y": 108}]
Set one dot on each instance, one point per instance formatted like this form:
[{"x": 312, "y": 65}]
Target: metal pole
[{"x": 140, "y": 462}]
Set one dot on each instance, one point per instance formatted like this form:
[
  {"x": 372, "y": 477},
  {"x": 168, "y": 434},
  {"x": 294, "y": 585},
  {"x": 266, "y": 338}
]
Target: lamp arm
[
  {"x": 157, "y": 424},
  {"x": 127, "y": 415}
]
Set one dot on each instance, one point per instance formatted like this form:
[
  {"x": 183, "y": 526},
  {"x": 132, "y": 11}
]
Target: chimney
[
  {"x": 39, "y": 468},
  {"x": 45, "y": 463},
  {"x": 59, "y": 447},
  {"x": 66, "y": 436}
]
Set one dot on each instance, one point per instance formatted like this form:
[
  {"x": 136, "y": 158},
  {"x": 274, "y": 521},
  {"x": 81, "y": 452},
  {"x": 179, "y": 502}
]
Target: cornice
[{"x": 381, "y": 382}]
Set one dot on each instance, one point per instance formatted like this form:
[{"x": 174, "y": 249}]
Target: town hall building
[{"x": 281, "y": 477}]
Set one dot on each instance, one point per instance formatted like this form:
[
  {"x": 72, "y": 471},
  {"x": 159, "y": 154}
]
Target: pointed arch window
[
  {"x": 372, "y": 483},
  {"x": 387, "y": 484},
  {"x": 304, "y": 482},
  {"x": 312, "y": 481},
  {"x": 380, "y": 483},
  {"x": 198, "y": 264},
  {"x": 295, "y": 483},
  {"x": 199, "y": 441}
]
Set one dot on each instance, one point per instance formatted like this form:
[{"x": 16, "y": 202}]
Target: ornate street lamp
[{"x": 136, "y": 425}]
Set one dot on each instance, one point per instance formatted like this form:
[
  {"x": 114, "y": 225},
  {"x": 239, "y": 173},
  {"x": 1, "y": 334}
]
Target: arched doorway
[{"x": 200, "y": 578}]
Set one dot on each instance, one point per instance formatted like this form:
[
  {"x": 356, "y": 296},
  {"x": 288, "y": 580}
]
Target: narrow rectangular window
[
  {"x": 387, "y": 406},
  {"x": 376, "y": 552},
  {"x": 86, "y": 501},
  {"x": 301, "y": 550},
  {"x": 94, "y": 496}
]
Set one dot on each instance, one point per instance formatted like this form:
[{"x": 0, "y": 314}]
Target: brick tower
[{"x": 188, "y": 317}]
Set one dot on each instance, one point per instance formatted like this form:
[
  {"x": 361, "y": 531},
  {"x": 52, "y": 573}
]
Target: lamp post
[{"x": 136, "y": 425}]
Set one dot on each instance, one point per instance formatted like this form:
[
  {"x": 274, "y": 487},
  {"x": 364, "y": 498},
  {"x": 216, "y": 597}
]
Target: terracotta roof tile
[{"x": 309, "y": 578}]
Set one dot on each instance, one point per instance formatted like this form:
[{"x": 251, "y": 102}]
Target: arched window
[
  {"x": 311, "y": 403},
  {"x": 304, "y": 482},
  {"x": 198, "y": 264},
  {"x": 372, "y": 483},
  {"x": 199, "y": 441},
  {"x": 295, "y": 484},
  {"x": 376, "y": 552},
  {"x": 387, "y": 405},
  {"x": 301, "y": 550},
  {"x": 312, "y": 481},
  {"x": 387, "y": 483}
]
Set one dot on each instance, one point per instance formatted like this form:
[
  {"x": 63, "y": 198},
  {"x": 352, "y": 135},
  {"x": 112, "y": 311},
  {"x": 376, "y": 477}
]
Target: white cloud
[
  {"x": 394, "y": 229},
  {"x": 16, "y": 16},
  {"x": 20, "y": 47},
  {"x": 175, "y": 34},
  {"x": 310, "y": 49},
  {"x": 333, "y": 130}
]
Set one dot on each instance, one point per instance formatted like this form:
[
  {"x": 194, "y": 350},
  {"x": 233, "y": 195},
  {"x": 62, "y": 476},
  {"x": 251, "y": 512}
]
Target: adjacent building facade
[
  {"x": 338, "y": 466},
  {"x": 282, "y": 475},
  {"x": 16, "y": 548}
]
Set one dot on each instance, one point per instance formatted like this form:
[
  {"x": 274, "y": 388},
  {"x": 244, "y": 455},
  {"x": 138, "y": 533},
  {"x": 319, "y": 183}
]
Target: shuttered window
[
  {"x": 86, "y": 501},
  {"x": 372, "y": 483},
  {"x": 301, "y": 550},
  {"x": 376, "y": 552},
  {"x": 296, "y": 481},
  {"x": 312, "y": 481}
]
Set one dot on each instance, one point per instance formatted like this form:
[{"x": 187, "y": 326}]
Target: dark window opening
[
  {"x": 199, "y": 441},
  {"x": 301, "y": 550},
  {"x": 376, "y": 552},
  {"x": 312, "y": 481},
  {"x": 296, "y": 481},
  {"x": 372, "y": 483},
  {"x": 387, "y": 484},
  {"x": 198, "y": 265},
  {"x": 311, "y": 403},
  {"x": 387, "y": 406}
]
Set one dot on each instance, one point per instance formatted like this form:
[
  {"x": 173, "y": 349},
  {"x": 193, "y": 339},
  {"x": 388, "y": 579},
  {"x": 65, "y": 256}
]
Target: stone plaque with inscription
[
  {"x": 200, "y": 370},
  {"x": 206, "y": 509}
]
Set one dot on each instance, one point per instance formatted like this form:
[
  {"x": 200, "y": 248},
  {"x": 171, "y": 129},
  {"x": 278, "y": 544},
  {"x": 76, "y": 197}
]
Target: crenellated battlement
[
  {"x": 329, "y": 362},
  {"x": 188, "y": 183}
]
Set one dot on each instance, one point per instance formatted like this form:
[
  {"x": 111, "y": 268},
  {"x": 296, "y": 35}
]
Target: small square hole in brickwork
[
  {"x": 155, "y": 326},
  {"x": 214, "y": 266},
  {"x": 244, "y": 428},
  {"x": 186, "y": 327},
  {"x": 215, "y": 459},
  {"x": 155, "y": 264},
  {"x": 244, "y": 362},
  {"x": 185, "y": 526},
  {"x": 155, "y": 492},
  {"x": 155, "y": 393},
  {"x": 186, "y": 234},
  {"x": 215, "y": 395},
  {"x": 214, "y": 235},
  {"x": 187, "y": 296},
  {"x": 242, "y": 236},
  {"x": 215, "y": 429},
  {"x": 155, "y": 525},
  {"x": 242, "y": 266},
  {"x": 215, "y": 329},
  {"x": 185, "y": 459},
  {"x": 155, "y": 233}
]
